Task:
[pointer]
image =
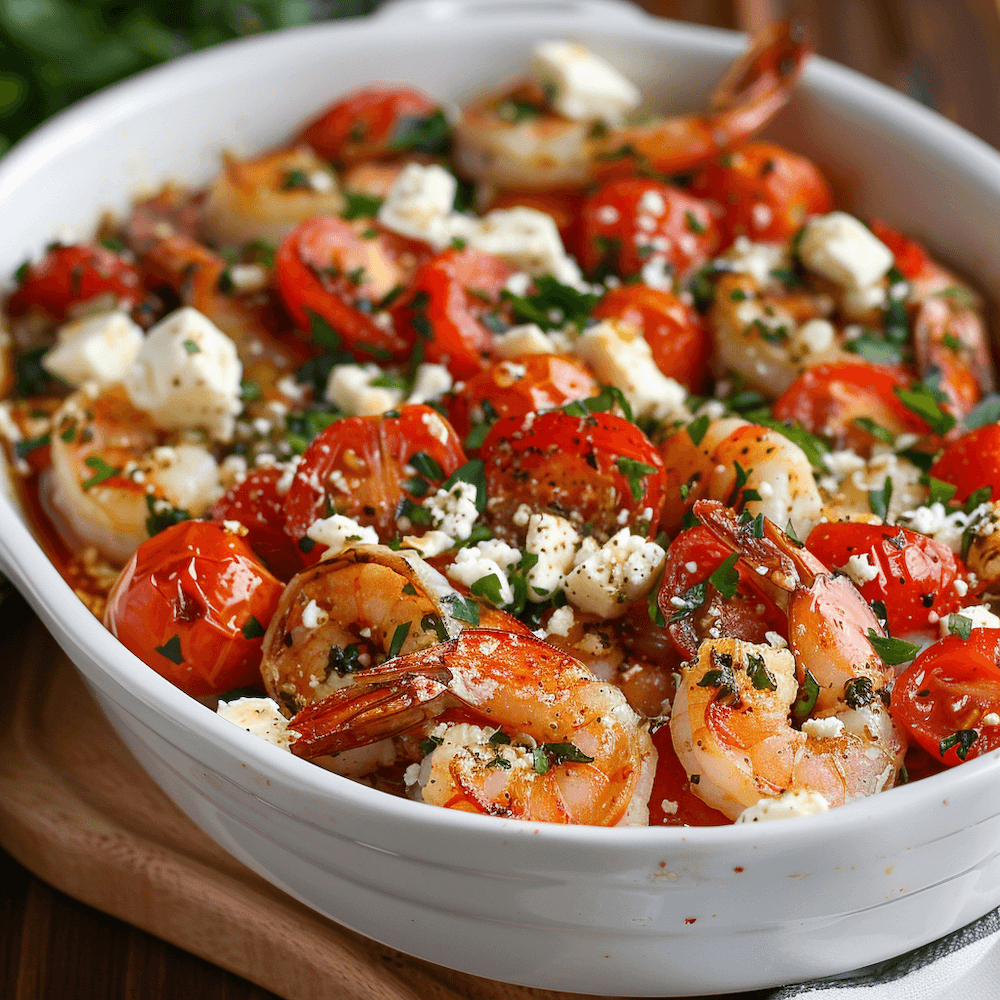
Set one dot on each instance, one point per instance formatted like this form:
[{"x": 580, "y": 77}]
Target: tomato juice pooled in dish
[{"x": 529, "y": 460}]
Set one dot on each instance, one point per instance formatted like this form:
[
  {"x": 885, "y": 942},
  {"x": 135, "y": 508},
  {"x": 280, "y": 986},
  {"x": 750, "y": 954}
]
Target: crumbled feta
[
  {"x": 431, "y": 544},
  {"x": 583, "y": 86},
  {"x": 755, "y": 259},
  {"x": 471, "y": 564},
  {"x": 97, "y": 349},
  {"x": 260, "y": 717},
  {"x": 454, "y": 511},
  {"x": 187, "y": 374},
  {"x": 339, "y": 532},
  {"x": 430, "y": 382},
  {"x": 248, "y": 277},
  {"x": 978, "y": 616},
  {"x": 313, "y": 615},
  {"x": 857, "y": 303},
  {"x": 860, "y": 569},
  {"x": 188, "y": 475},
  {"x": 349, "y": 388},
  {"x": 823, "y": 729},
  {"x": 843, "y": 249},
  {"x": 419, "y": 204},
  {"x": 620, "y": 356},
  {"x": 554, "y": 540},
  {"x": 658, "y": 272},
  {"x": 943, "y": 526},
  {"x": 530, "y": 339},
  {"x": 815, "y": 336},
  {"x": 794, "y": 802},
  {"x": 622, "y": 570},
  {"x": 560, "y": 621}
]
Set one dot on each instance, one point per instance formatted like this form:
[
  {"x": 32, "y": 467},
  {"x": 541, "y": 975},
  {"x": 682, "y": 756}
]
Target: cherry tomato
[
  {"x": 443, "y": 309},
  {"x": 563, "y": 206},
  {"x": 943, "y": 696},
  {"x": 765, "y": 191},
  {"x": 68, "y": 275},
  {"x": 324, "y": 268},
  {"x": 519, "y": 386},
  {"x": 916, "y": 575},
  {"x": 672, "y": 803},
  {"x": 629, "y": 222},
  {"x": 372, "y": 123},
  {"x": 972, "y": 461},
  {"x": 828, "y": 399},
  {"x": 587, "y": 469},
  {"x": 694, "y": 555},
  {"x": 680, "y": 341},
  {"x": 355, "y": 467},
  {"x": 255, "y": 503},
  {"x": 193, "y": 603},
  {"x": 911, "y": 257}
]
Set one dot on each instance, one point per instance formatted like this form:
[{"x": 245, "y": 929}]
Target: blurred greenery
[{"x": 53, "y": 52}]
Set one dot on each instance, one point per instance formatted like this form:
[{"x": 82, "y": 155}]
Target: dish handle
[{"x": 453, "y": 10}]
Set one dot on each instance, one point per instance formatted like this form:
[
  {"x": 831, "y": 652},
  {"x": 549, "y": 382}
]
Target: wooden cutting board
[{"x": 78, "y": 811}]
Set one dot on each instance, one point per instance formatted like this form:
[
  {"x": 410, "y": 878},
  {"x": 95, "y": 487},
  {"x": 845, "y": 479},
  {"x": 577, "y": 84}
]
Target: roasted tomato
[
  {"x": 70, "y": 275},
  {"x": 193, "y": 603},
  {"x": 597, "y": 470},
  {"x": 519, "y": 386},
  {"x": 443, "y": 309},
  {"x": 375, "y": 123},
  {"x": 672, "y": 803},
  {"x": 255, "y": 503},
  {"x": 766, "y": 192},
  {"x": 971, "y": 462},
  {"x": 829, "y": 399},
  {"x": 693, "y": 604},
  {"x": 631, "y": 222},
  {"x": 680, "y": 342},
  {"x": 945, "y": 698},
  {"x": 356, "y": 467},
  {"x": 326, "y": 270},
  {"x": 913, "y": 575},
  {"x": 912, "y": 260}
]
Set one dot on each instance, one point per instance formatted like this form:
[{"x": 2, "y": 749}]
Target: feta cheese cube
[
  {"x": 795, "y": 802},
  {"x": 584, "y": 87},
  {"x": 188, "y": 475},
  {"x": 419, "y": 204},
  {"x": 186, "y": 375},
  {"x": 842, "y": 248},
  {"x": 554, "y": 540},
  {"x": 471, "y": 564},
  {"x": 98, "y": 349},
  {"x": 349, "y": 388},
  {"x": 430, "y": 382}
]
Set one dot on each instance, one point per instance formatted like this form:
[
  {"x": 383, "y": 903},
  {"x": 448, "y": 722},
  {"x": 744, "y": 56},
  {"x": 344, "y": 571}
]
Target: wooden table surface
[{"x": 946, "y": 54}]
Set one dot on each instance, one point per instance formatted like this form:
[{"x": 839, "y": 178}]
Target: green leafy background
[{"x": 53, "y": 52}]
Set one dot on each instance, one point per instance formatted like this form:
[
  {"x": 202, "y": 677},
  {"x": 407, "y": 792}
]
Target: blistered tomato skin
[
  {"x": 912, "y": 574},
  {"x": 766, "y": 192},
  {"x": 366, "y": 125},
  {"x": 362, "y": 467},
  {"x": 971, "y": 462},
  {"x": 519, "y": 386},
  {"x": 945, "y": 696},
  {"x": 628, "y": 222},
  {"x": 193, "y": 603},
  {"x": 672, "y": 803},
  {"x": 68, "y": 275},
  {"x": 676, "y": 334},
  {"x": 599, "y": 470}
]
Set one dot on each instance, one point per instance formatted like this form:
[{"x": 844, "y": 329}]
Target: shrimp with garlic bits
[
  {"x": 540, "y": 738},
  {"x": 544, "y": 133}
]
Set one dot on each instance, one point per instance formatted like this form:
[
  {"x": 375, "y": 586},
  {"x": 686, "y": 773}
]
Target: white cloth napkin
[{"x": 964, "y": 965}]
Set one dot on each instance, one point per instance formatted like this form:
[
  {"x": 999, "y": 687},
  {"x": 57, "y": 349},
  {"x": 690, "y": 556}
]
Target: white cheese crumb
[
  {"x": 313, "y": 615},
  {"x": 454, "y": 511},
  {"x": 97, "y": 349},
  {"x": 260, "y": 717},
  {"x": 860, "y": 569},
  {"x": 554, "y": 540},
  {"x": 823, "y": 729},
  {"x": 795, "y": 802},
  {"x": 560, "y": 622},
  {"x": 842, "y": 248},
  {"x": 419, "y": 204},
  {"x": 978, "y": 616},
  {"x": 339, "y": 532},
  {"x": 349, "y": 388}
]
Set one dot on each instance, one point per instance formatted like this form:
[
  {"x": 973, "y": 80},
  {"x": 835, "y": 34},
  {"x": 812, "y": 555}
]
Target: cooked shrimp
[
  {"x": 347, "y": 613},
  {"x": 550, "y": 741},
  {"x": 829, "y": 622},
  {"x": 266, "y": 197},
  {"x": 111, "y": 471},
  {"x": 731, "y": 727},
  {"x": 513, "y": 140}
]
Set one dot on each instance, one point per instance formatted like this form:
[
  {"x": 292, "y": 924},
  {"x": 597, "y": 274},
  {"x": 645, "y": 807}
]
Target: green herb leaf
[
  {"x": 959, "y": 625},
  {"x": 878, "y": 500},
  {"x": 553, "y": 305},
  {"x": 102, "y": 471},
  {"x": 473, "y": 472},
  {"x": 761, "y": 678},
  {"x": 22, "y": 448},
  {"x": 940, "y": 492},
  {"x": 398, "y": 638},
  {"x": 920, "y": 399},
  {"x": 893, "y": 651},
  {"x": 560, "y": 753},
  {"x": 697, "y": 428},
  {"x": 171, "y": 649},
  {"x": 429, "y": 134},
  {"x": 634, "y": 472},
  {"x": 464, "y": 609},
  {"x": 253, "y": 629},
  {"x": 694, "y": 597},
  {"x": 963, "y": 739},
  {"x": 163, "y": 514},
  {"x": 876, "y": 430},
  {"x": 808, "y": 693},
  {"x": 488, "y": 587},
  {"x": 426, "y": 465},
  {"x": 986, "y": 411},
  {"x": 191, "y": 347},
  {"x": 726, "y": 578},
  {"x": 653, "y": 607},
  {"x": 360, "y": 206}
]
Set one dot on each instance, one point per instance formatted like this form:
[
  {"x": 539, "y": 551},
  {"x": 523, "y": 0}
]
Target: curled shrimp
[
  {"x": 550, "y": 742},
  {"x": 112, "y": 470},
  {"x": 543, "y": 150}
]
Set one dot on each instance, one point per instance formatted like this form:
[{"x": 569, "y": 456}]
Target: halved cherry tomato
[
  {"x": 193, "y": 603},
  {"x": 972, "y": 461},
  {"x": 911, "y": 257},
  {"x": 828, "y": 399},
  {"x": 369, "y": 124},
  {"x": 68, "y": 275},
  {"x": 916, "y": 575},
  {"x": 943, "y": 696},
  {"x": 599, "y": 470},
  {"x": 672, "y": 803},
  {"x": 680, "y": 341},
  {"x": 693, "y": 556},
  {"x": 255, "y": 503},
  {"x": 442, "y": 310},
  {"x": 355, "y": 467},
  {"x": 519, "y": 386},
  {"x": 630, "y": 221},
  {"x": 325, "y": 268},
  {"x": 765, "y": 191}
]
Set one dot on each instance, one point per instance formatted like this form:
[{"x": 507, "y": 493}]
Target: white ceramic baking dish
[{"x": 619, "y": 911}]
